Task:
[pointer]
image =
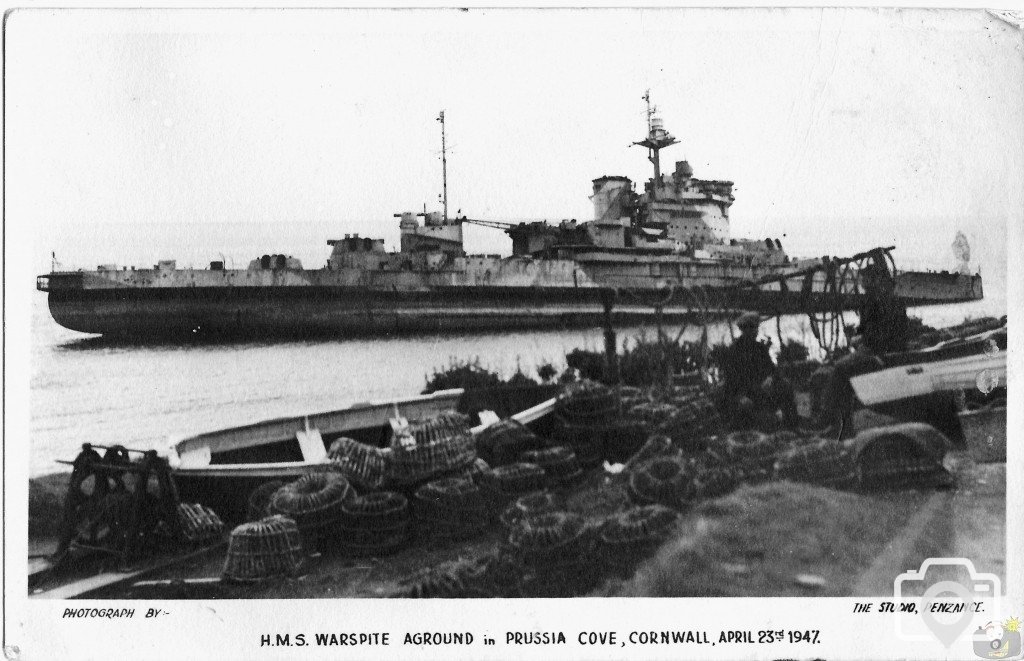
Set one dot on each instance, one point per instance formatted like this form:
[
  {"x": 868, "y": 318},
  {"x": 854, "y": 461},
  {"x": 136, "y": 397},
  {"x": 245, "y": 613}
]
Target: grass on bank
[{"x": 758, "y": 540}]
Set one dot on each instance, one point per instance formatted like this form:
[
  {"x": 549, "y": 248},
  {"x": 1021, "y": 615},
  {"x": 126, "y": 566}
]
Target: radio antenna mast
[
  {"x": 444, "y": 168},
  {"x": 657, "y": 139}
]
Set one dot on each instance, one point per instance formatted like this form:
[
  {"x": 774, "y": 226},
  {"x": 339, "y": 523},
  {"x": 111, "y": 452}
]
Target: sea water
[{"x": 83, "y": 389}]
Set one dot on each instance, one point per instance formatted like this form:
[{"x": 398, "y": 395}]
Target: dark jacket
[
  {"x": 883, "y": 325},
  {"x": 747, "y": 365}
]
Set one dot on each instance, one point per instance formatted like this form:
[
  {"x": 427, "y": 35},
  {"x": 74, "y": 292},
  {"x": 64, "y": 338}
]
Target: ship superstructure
[{"x": 673, "y": 236}]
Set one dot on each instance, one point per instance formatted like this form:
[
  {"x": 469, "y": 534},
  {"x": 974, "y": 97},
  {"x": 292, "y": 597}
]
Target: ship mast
[
  {"x": 657, "y": 138},
  {"x": 444, "y": 168}
]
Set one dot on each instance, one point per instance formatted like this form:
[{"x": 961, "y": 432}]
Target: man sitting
[
  {"x": 883, "y": 329},
  {"x": 753, "y": 393}
]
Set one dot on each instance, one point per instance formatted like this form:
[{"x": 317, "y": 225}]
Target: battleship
[{"x": 664, "y": 251}]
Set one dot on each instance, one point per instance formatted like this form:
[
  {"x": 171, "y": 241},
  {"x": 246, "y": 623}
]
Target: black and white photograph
[{"x": 381, "y": 309}]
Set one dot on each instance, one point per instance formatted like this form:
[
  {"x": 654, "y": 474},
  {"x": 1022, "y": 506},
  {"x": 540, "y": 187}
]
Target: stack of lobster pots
[
  {"x": 503, "y": 484},
  {"x": 315, "y": 503},
  {"x": 374, "y": 524},
  {"x": 451, "y": 508},
  {"x": 586, "y": 413},
  {"x": 553, "y": 551},
  {"x": 431, "y": 449},
  {"x": 627, "y": 538}
]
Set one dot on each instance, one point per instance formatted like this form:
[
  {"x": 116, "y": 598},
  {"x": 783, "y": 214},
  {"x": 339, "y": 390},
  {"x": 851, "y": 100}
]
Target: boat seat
[
  {"x": 488, "y": 418},
  {"x": 312, "y": 445},
  {"x": 195, "y": 457}
]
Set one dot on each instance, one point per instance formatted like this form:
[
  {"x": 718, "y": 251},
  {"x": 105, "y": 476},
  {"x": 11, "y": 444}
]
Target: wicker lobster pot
[
  {"x": 375, "y": 524},
  {"x": 655, "y": 446},
  {"x": 628, "y": 537},
  {"x": 259, "y": 500},
  {"x": 825, "y": 462},
  {"x": 691, "y": 422},
  {"x": 450, "y": 508},
  {"x": 679, "y": 395},
  {"x": 651, "y": 414},
  {"x": 364, "y": 465},
  {"x": 753, "y": 454},
  {"x": 559, "y": 464},
  {"x": 553, "y": 549},
  {"x": 263, "y": 549},
  {"x": 438, "y": 446},
  {"x": 586, "y": 441},
  {"x": 621, "y": 439},
  {"x": 713, "y": 477},
  {"x": 664, "y": 480},
  {"x": 530, "y": 505},
  {"x": 587, "y": 403},
  {"x": 198, "y": 523},
  {"x": 504, "y": 441},
  {"x": 503, "y": 484},
  {"x": 474, "y": 471},
  {"x": 785, "y": 439},
  {"x": 314, "y": 502},
  {"x": 630, "y": 396}
]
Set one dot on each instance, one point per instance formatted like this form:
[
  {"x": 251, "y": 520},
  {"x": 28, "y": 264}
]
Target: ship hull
[{"x": 142, "y": 312}]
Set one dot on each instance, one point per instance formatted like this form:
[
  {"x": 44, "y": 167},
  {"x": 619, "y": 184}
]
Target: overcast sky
[{"x": 139, "y": 135}]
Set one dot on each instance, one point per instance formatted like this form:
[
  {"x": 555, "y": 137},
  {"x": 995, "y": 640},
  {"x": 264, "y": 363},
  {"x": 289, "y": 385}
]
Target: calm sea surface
[{"x": 138, "y": 396}]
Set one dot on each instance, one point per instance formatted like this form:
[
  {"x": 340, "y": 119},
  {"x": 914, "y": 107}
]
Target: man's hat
[{"x": 748, "y": 320}]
